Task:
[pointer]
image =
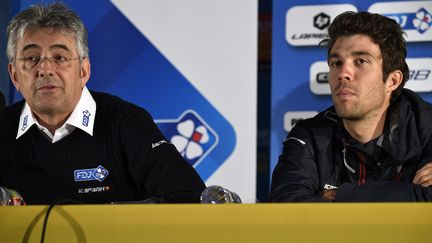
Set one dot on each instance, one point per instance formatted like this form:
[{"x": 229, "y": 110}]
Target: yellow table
[{"x": 319, "y": 222}]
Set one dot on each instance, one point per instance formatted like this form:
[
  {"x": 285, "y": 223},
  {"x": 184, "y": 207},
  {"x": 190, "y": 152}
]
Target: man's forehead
[
  {"x": 51, "y": 38},
  {"x": 355, "y": 45},
  {"x": 31, "y": 30}
]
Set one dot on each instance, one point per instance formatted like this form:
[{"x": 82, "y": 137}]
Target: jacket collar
[{"x": 399, "y": 142}]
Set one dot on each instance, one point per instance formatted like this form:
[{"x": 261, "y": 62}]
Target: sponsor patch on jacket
[
  {"x": 329, "y": 187},
  {"x": 99, "y": 174}
]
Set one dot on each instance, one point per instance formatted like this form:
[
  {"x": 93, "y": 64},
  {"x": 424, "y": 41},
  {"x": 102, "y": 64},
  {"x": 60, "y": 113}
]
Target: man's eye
[
  {"x": 33, "y": 59},
  {"x": 334, "y": 64},
  {"x": 360, "y": 61},
  {"x": 59, "y": 58}
]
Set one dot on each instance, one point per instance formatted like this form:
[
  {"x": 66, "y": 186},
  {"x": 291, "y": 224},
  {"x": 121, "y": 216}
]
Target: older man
[{"x": 64, "y": 142}]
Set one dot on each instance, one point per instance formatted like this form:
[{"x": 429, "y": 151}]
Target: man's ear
[
  {"x": 85, "y": 71},
  {"x": 394, "y": 80},
  {"x": 12, "y": 75}
]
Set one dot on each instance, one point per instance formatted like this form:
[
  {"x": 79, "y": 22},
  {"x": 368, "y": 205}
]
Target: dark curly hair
[{"x": 383, "y": 31}]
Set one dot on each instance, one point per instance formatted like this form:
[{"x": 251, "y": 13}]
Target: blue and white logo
[
  {"x": 191, "y": 135},
  {"x": 99, "y": 174},
  {"x": 86, "y": 118},
  {"x": 24, "y": 125},
  {"x": 413, "y": 16},
  {"x": 420, "y": 20}
]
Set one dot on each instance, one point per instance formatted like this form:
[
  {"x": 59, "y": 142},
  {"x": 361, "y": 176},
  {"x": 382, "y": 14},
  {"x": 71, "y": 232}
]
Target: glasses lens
[{"x": 31, "y": 61}]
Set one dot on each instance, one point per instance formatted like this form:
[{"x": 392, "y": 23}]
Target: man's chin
[
  {"x": 349, "y": 116},
  {"x": 346, "y": 114},
  {"x": 49, "y": 108}
]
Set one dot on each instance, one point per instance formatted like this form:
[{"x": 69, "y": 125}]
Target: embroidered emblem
[
  {"x": 86, "y": 118},
  {"x": 329, "y": 187},
  {"x": 24, "y": 125},
  {"x": 154, "y": 145},
  {"x": 99, "y": 173}
]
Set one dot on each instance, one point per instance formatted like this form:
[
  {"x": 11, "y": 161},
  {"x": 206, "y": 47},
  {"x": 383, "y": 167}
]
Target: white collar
[{"x": 82, "y": 116}]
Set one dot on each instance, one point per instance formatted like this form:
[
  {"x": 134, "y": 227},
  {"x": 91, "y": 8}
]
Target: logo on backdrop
[
  {"x": 99, "y": 174},
  {"x": 292, "y": 117},
  {"x": 414, "y": 17},
  {"x": 307, "y": 25},
  {"x": 321, "y": 21},
  {"x": 420, "y": 20},
  {"x": 318, "y": 78},
  {"x": 420, "y": 79},
  {"x": 191, "y": 135}
]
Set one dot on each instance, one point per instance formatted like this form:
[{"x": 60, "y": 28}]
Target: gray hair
[{"x": 57, "y": 16}]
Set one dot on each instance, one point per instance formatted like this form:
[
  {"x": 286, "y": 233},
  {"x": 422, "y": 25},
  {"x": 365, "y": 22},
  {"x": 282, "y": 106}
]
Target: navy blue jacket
[{"x": 320, "y": 154}]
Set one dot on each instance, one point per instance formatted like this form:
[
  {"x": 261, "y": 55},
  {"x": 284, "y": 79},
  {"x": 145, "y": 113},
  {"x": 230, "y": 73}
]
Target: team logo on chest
[{"x": 99, "y": 174}]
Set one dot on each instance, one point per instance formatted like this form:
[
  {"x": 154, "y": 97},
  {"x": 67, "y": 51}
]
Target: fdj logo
[
  {"x": 99, "y": 174},
  {"x": 420, "y": 21},
  {"x": 191, "y": 135}
]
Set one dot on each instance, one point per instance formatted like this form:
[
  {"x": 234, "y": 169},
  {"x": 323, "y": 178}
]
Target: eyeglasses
[{"x": 31, "y": 62}]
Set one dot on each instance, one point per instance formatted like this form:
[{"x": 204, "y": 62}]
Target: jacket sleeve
[
  {"x": 295, "y": 177},
  {"x": 158, "y": 169},
  {"x": 389, "y": 191},
  {"x": 383, "y": 191}
]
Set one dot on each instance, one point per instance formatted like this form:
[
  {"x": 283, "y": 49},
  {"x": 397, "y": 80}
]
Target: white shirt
[{"x": 82, "y": 117}]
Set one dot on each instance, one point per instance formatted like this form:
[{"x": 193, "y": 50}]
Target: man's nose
[
  {"x": 346, "y": 73},
  {"x": 45, "y": 67}
]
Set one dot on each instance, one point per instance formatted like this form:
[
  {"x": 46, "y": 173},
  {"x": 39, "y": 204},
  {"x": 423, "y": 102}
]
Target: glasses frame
[{"x": 31, "y": 62}]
